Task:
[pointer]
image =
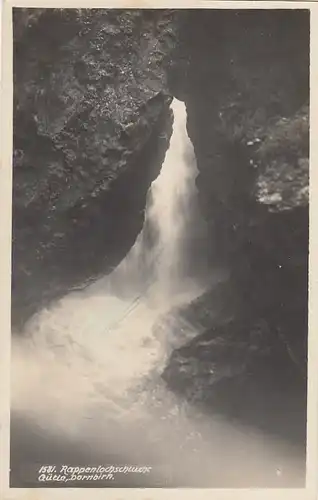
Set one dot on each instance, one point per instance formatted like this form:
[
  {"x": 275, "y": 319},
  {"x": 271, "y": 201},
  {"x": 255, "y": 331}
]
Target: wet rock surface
[
  {"x": 91, "y": 127},
  {"x": 247, "y": 96}
]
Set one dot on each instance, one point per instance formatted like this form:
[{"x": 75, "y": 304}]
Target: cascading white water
[
  {"x": 170, "y": 207},
  {"x": 159, "y": 258},
  {"x": 88, "y": 368},
  {"x": 95, "y": 347}
]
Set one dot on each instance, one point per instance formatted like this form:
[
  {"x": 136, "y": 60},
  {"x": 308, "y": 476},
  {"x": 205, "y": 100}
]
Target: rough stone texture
[
  {"x": 244, "y": 77},
  {"x": 91, "y": 126},
  {"x": 283, "y": 179}
]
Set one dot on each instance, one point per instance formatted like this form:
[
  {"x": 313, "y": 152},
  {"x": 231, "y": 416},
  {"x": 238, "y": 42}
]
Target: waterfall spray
[
  {"x": 87, "y": 371},
  {"x": 101, "y": 341}
]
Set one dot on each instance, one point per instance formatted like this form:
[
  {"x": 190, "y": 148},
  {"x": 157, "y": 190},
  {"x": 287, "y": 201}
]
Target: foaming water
[
  {"x": 88, "y": 368},
  {"x": 95, "y": 351}
]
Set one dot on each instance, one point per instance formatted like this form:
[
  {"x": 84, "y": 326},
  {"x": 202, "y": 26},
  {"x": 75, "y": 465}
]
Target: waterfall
[
  {"x": 160, "y": 258},
  {"x": 170, "y": 206},
  {"x": 96, "y": 346},
  {"x": 86, "y": 371}
]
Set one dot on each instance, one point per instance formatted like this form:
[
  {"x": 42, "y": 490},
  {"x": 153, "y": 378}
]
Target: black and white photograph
[{"x": 160, "y": 239}]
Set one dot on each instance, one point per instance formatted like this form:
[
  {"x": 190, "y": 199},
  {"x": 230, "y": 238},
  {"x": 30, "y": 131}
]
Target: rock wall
[
  {"x": 91, "y": 127},
  {"x": 244, "y": 76}
]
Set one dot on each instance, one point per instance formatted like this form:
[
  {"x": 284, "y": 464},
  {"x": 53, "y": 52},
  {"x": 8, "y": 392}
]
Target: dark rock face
[
  {"x": 91, "y": 127},
  {"x": 247, "y": 95}
]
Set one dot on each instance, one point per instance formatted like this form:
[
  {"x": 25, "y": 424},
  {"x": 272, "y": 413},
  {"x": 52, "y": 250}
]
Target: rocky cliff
[
  {"x": 244, "y": 76},
  {"x": 91, "y": 127}
]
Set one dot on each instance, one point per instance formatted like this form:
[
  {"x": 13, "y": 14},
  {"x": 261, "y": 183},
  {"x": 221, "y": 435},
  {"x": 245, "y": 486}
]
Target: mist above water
[
  {"x": 97, "y": 348},
  {"x": 87, "y": 369}
]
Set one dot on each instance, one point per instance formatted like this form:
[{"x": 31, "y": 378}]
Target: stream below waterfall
[{"x": 86, "y": 372}]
